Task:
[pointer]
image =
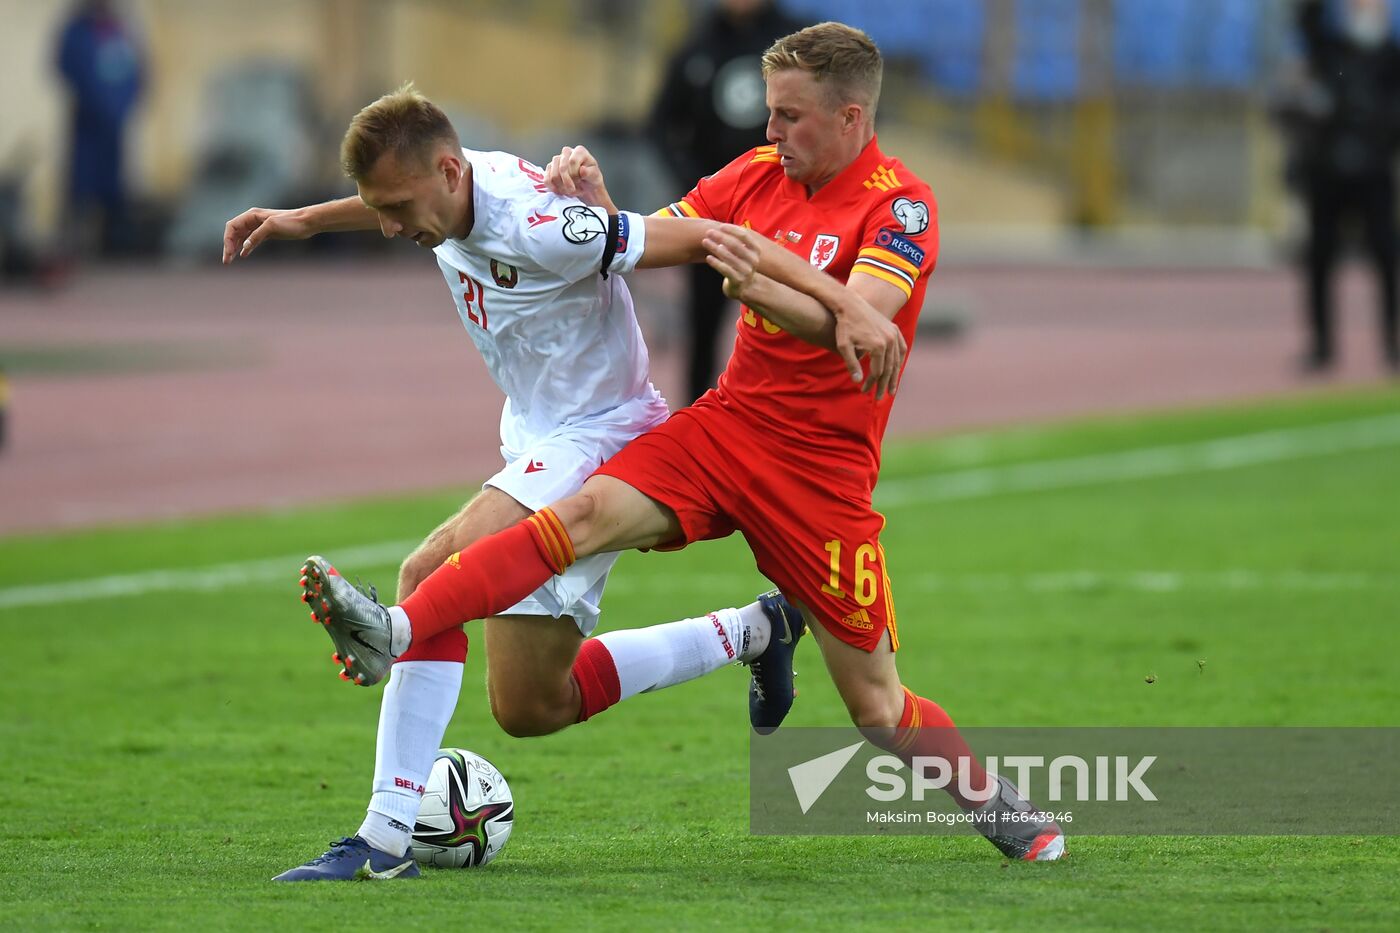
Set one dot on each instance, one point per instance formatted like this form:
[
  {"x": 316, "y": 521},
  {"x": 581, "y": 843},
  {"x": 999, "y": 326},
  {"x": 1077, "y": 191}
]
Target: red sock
[
  {"x": 925, "y": 730},
  {"x": 491, "y": 575},
  {"x": 450, "y": 645},
  {"x": 595, "y": 672}
]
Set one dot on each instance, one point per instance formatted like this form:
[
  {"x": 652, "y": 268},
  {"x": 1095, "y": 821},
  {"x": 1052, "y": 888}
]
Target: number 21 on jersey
[{"x": 474, "y": 297}]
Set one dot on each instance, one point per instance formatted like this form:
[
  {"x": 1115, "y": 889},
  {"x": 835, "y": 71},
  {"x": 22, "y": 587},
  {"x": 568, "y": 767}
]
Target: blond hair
[
  {"x": 839, "y": 56},
  {"x": 404, "y": 123}
]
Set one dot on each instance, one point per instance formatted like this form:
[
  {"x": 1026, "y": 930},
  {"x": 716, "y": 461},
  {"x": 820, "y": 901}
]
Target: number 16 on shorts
[
  {"x": 858, "y": 575},
  {"x": 868, "y": 571}
]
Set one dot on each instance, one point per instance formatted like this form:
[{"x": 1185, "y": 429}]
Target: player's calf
[{"x": 1007, "y": 819}]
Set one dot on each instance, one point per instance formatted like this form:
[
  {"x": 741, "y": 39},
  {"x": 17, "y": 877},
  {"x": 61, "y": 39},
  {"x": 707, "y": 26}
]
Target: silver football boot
[
  {"x": 1019, "y": 830},
  {"x": 357, "y": 624}
]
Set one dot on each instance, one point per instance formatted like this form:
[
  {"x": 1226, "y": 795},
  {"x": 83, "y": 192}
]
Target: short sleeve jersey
[
  {"x": 875, "y": 218},
  {"x": 560, "y": 340}
]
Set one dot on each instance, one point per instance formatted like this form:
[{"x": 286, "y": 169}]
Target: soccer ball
[{"x": 467, "y": 812}]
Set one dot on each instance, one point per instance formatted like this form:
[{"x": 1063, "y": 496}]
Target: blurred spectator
[
  {"x": 101, "y": 64},
  {"x": 1345, "y": 124},
  {"x": 711, "y": 110}
]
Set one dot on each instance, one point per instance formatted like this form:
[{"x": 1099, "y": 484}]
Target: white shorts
[{"x": 553, "y": 467}]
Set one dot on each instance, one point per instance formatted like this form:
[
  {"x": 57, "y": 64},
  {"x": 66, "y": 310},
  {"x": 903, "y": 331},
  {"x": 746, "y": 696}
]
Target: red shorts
[{"x": 812, "y": 531}]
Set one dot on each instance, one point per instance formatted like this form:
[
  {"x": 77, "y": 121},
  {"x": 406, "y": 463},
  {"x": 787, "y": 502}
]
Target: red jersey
[{"x": 874, "y": 218}]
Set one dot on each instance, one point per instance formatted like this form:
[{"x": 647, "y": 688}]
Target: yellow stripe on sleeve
[
  {"x": 765, "y": 154},
  {"x": 867, "y": 269},
  {"x": 686, "y": 209},
  {"x": 893, "y": 259}
]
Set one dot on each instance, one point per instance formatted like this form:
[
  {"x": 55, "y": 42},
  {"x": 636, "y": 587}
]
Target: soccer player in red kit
[{"x": 786, "y": 449}]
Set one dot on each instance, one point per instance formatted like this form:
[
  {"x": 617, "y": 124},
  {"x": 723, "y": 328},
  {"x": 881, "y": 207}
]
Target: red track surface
[{"x": 292, "y": 384}]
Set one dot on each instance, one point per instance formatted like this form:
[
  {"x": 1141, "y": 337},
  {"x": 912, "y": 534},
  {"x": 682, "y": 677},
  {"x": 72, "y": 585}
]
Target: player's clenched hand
[
  {"x": 575, "y": 173},
  {"x": 243, "y": 233},
  {"x": 734, "y": 255},
  {"x": 863, "y": 331}
]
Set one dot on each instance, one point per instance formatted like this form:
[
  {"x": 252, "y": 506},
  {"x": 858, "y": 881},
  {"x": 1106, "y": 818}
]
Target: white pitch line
[
  {"x": 211, "y": 577},
  {"x": 1149, "y": 581},
  {"x": 1151, "y": 462},
  {"x": 1225, "y": 453}
]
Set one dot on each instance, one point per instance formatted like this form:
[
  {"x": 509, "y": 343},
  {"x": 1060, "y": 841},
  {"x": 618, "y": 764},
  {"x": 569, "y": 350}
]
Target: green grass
[
  {"x": 166, "y": 753},
  {"x": 119, "y": 358}
]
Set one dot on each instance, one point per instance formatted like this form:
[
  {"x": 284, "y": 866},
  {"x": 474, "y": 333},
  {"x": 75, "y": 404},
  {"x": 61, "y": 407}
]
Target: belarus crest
[
  {"x": 504, "y": 273},
  {"x": 824, "y": 250}
]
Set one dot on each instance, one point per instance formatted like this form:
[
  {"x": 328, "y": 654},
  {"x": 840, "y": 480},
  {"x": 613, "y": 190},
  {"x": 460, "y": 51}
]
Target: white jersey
[{"x": 561, "y": 341}]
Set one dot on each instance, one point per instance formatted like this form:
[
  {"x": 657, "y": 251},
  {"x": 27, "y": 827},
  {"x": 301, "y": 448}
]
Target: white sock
[
  {"x": 756, "y": 633},
  {"x": 400, "y": 631},
  {"x": 418, "y": 703},
  {"x": 662, "y": 656}
]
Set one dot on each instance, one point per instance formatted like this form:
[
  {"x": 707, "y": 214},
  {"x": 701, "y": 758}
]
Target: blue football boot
[
  {"x": 353, "y": 859},
  {"x": 770, "y": 684}
]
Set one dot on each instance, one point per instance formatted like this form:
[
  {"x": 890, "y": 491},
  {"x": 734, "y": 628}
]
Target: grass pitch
[{"x": 173, "y": 732}]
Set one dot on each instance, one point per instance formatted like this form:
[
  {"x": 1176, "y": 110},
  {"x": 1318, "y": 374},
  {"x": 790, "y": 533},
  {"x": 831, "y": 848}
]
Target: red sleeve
[
  {"x": 899, "y": 243},
  {"x": 713, "y": 196}
]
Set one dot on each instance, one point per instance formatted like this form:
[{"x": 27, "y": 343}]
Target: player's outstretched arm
[
  {"x": 671, "y": 241},
  {"x": 246, "y": 232},
  {"x": 861, "y": 312}
]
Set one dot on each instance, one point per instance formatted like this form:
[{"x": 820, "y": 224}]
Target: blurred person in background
[
  {"x": 100, "y": 62},
  {"x": 1344, "y": 123},
  {"x": 711, "y": 109}
]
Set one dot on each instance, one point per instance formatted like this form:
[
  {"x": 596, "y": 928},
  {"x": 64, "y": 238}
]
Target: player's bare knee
[
  {"x": 875, "y": 710},
  {"x": 526, "y": 718},
  {"x": 581, "y": 514},
  {"x": 513, "y": 714},
  {"x": 517, "y": 722},
  {"x": 526, "y": 712},
  {"x": 412, "y": 572}
]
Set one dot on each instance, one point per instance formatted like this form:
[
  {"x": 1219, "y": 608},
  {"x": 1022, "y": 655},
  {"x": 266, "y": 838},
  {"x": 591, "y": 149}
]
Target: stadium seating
[
  {"x": 1230, "y": 49},
  {"x": 956, "y": 34},
  {"x": 1171, "y": 44},
  {"x": 1158, "y": 44},
  {"x": 1045, "y": 63}
]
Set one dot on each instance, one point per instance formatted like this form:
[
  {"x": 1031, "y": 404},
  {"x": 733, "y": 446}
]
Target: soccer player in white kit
[{"x": 536, "y": 279}]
